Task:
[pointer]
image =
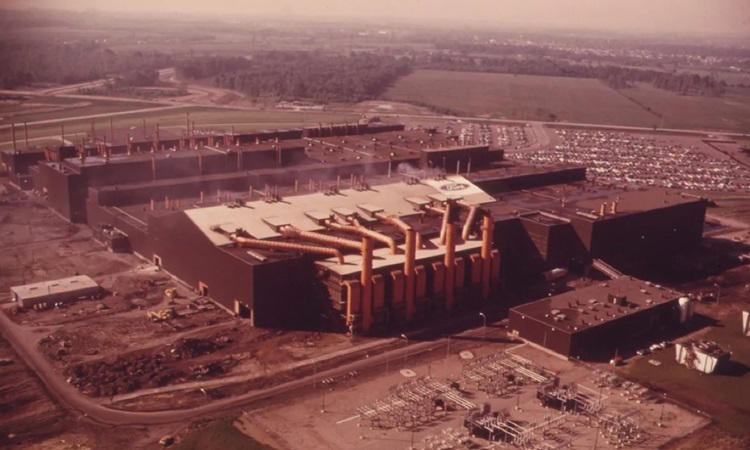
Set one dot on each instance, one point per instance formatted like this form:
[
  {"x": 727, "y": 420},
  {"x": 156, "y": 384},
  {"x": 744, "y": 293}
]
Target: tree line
[
  {"x": 613, "y": 75},
  {"x": 27, "y": 62},
  {"x": 290, "y": 75}
]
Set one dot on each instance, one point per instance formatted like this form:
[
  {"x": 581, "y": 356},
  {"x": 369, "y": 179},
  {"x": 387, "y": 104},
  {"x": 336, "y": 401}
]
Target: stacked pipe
[
  {"x": 486, "y": 253},
  {"x": 258, "y": 243},
  {"x": 410, "y": 249},
  {"x": 450, "y": 265},
  {"x": 294, "y": 232},
  {"x": 366, "y": 283},
  {"x": 362, "y": 231}
]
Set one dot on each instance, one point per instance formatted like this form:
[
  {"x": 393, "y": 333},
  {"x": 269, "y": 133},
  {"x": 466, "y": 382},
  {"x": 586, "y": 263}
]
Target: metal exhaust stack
[
  {"x": 409, "y": 262},
  {"x": 486, "y": 254},
  {"x": 446, "y": 220},
  {"x": 366, "y": 283},
  {"x": 472, "y": 215},
  {"x": 450, "y": 266}
]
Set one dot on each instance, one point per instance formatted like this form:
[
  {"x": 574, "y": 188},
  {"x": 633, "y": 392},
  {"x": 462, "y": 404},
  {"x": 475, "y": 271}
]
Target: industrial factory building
[
  {"x": 368, "y": 226},
  {"x": 597, "y": 320},
  {"x": 50, "y": 292}
]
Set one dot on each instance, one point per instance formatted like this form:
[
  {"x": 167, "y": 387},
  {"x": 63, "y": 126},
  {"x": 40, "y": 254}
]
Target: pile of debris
[{"x": 137, "y": 370}]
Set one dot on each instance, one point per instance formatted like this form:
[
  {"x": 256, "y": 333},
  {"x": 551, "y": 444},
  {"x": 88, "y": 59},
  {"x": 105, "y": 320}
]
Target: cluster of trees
[
  {"x": 26, "y": 62},
  {"x": 290, "y": 75},
  {"x": 614, "y": 75}
]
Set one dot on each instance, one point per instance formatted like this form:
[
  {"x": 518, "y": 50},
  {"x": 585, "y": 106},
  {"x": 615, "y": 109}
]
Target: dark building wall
[
  {"x": 187, "y": 253},
  {"x": 118, "y": 173},
  {"x": 288, "y": 294},
  {"x": 519, "y": 257},
  {"x": 566, "y": 248},
  {"x": 540, "y": 333},
  {"x": 604, "y": 340},
  {"x": 650, "y": 233},
  {"x": 174, "y": 189},
  {"x": 176, "y": 167},
  {"x": 66, "y": 191},
  {"x": 138, "y": 239},
  {"x": 19, "y": 162},
  {"x": 508, "y": 183},
  {"x": 448, "y": 158},
  {"x": 214, "y": 163}
]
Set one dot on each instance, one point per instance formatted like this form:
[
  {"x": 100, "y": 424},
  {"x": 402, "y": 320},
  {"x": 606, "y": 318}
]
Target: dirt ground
[
  {"x": 330, "y": 418},
  {"x": 108, "y": 347}
]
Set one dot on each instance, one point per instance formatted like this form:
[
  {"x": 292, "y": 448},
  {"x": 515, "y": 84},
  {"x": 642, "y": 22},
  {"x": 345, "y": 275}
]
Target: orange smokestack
[
  {"x": 366, "y": 282},
  {"x": 486, "y": 253},
  {"x": 450, "y": 266}
]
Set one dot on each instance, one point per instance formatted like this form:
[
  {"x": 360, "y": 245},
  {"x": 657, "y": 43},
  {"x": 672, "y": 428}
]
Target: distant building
[{"x": 50, "y": 292}]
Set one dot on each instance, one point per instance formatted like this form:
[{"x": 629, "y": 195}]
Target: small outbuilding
[{"x": 53, "y": 291}]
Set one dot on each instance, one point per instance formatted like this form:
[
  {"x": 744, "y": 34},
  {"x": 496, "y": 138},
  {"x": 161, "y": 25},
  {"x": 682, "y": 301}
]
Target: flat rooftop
[
  {"x": 54, "y": 287},
  {"x": 586, "y": 198},
  {"x": 254, "y": 217},
  {"x": 574, "y": 311}
]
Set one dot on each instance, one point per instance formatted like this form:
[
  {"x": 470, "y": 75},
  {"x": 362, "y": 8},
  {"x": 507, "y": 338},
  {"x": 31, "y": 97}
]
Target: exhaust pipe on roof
[
  {"x": 470, "y": 218},
  {"x": 362, "y": 231},
  {"x": 294, "y": 232},
  {"x": 275, "y": 245}
]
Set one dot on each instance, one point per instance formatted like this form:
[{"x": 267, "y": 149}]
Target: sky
[{"x": 682, "y": 16}]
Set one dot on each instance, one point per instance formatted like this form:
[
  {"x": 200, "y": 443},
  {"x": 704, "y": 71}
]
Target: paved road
[{"x": 71, "y": 397}]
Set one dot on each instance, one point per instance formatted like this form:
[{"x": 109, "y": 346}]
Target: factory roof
[
  {"x": 583, "y": 200},
  {"x": 574, "y": 311},
  {"x": 254, "y": 217},
  {"x": 54, "y": 287}
]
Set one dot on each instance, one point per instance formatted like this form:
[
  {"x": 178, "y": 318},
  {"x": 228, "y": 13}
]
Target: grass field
[
  {"x": 530, "y": 97},
  {"x": 728, "y": 112},
  {"x": 725, "y": 396},
  {"x": 204, "y": 117},
  {"x": 49, "y": 107},
  {"x": 519, "y": 97},
  {"x": 219, "y": 436}
]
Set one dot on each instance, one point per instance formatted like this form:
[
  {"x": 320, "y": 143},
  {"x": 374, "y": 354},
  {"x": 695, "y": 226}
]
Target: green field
[
  {"x": 531, "y": 97},
  {"x": 219, "y": 436},
  {"x": 524, "y": 97},
  {"x": 50, "y": 107},
  {"x": 725, "y": 396},
  {"x": 731, "y": 111},
  {"x": 204, "y": 117}
]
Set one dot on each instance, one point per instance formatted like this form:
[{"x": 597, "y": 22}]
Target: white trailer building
[
  {"x": 50, "y": 292},
  {"x": 705, "y": 356}
]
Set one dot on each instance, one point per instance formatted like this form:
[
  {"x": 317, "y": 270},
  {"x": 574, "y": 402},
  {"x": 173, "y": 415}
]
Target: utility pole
[
  {"x": 406, "y": 351},
  {"x": 484, "y": 325}
]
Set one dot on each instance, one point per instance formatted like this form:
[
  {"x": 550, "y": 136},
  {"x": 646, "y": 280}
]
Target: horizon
[{"x": 730, "y": 18}]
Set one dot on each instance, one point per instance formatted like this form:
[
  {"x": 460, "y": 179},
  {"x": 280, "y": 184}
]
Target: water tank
[{"x": 684, "y": 304}]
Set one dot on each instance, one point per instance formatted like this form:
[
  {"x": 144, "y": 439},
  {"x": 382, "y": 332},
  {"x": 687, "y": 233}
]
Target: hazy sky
[{"x": 730, "y": 16}]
